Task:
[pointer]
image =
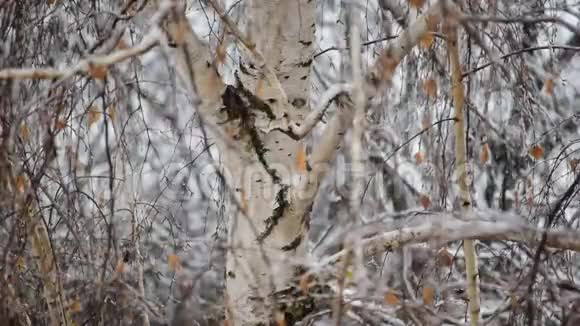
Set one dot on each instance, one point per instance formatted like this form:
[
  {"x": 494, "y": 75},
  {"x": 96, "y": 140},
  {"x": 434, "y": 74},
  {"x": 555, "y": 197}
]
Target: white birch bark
[
  {"x": 273, "y": 184},
  {"x": 267, "y": 172}
]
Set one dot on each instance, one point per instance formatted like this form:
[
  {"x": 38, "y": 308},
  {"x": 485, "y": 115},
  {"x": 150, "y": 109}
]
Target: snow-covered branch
[
  {"x": 89, "y": 66},
  {"x": 418, "y": 227}
]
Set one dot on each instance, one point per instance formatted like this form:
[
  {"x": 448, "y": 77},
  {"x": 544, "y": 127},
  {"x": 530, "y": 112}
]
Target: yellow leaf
[
  {"x": 348, "y": 275},
  {"x": 23, "y": 132},
  {"x": 417, "y": 3},
  {"x": 426, "y": 40},
  {"x": 428, "y": 293},
  {"x": 94, "y": 116},
  {"x": 76, "y": 305},
  {"x": 20, "y": 264},
  {"x": 391, "y": 298},
  {"x": 21, "y": 183},
  {"x": 430, "y": 87},
  {"x": 174, "y": 262},
  {"x": 514, "y": 301},
  {"x": 97, "y": 71},
  {"x": 418, "y": 158},
  {"x": 484, "y": 154},
  {"x": 549, "y": 86},
  {"x": 425, "y": 201},
  {"x": 536, "y": 152}
]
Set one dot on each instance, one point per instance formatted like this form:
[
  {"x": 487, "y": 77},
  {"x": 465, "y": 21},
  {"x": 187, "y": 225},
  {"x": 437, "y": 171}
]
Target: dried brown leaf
[
  {"x": 430, "y": 87},
  {"x": 23, "y": 132},
  {"x": 386, "y": 67},
  {"x": 536, "y": 151},
  {"x": 21, "y": 183},
  {"x": 280, "y": 318},
  {"x": 484, "y": 153},
  {"x": 428, "y": 295},
  {"x": 98, "y": 72},
  {"x": 573, "y": 164},
  {"x": 120, "y": 267},
  {"x": 418, "y": 158},
  {"x": 300, "y": 159},
  {"x": 417, "y": 3},
  {"x": 304, "y": 283},
  {"x": 425, "y": 201},
  {"x": 174, "y": 262},
  {"x": 444, "y": 257},
  {"x": 59, "y": 124},
  {"x": 426, "y": 41},
  {"x": 432, "y": 22},
  {"x": 549, "y": 86},
  {"x": 93, "y": 116},
  {"x": 121, "y": 45},
  {"x": 391, "y": 298}
]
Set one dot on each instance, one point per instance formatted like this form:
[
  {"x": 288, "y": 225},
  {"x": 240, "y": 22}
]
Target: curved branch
[{"x": 419, "y": 227}]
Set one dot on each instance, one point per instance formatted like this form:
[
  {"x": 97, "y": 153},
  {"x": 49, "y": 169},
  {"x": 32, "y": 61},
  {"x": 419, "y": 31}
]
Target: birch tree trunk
[
  {"x": 265, "y": 168},
  {"x": 265, "y": 164},
  {"x": 271, "y": 227}
]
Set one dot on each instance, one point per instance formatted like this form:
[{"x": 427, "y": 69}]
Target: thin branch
[
  {"x": 336, "y": 48},
  {"x": 425, "y": 226},
  {"x": 520, "y": 51},
  {"x": 544, "y": 241},
  {"x": 471, "y": 269},
  {"x": 397, "y": 50},
  {"x": 86, "y": 65},
  {"x": 299, "y": 130},
  {"x": 522, "y": 20},
  {"x": 424, "y": 130}
]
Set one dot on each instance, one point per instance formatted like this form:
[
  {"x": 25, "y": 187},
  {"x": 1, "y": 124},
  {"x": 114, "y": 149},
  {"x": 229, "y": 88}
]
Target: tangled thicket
[{"x": 113, "y": 210}]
